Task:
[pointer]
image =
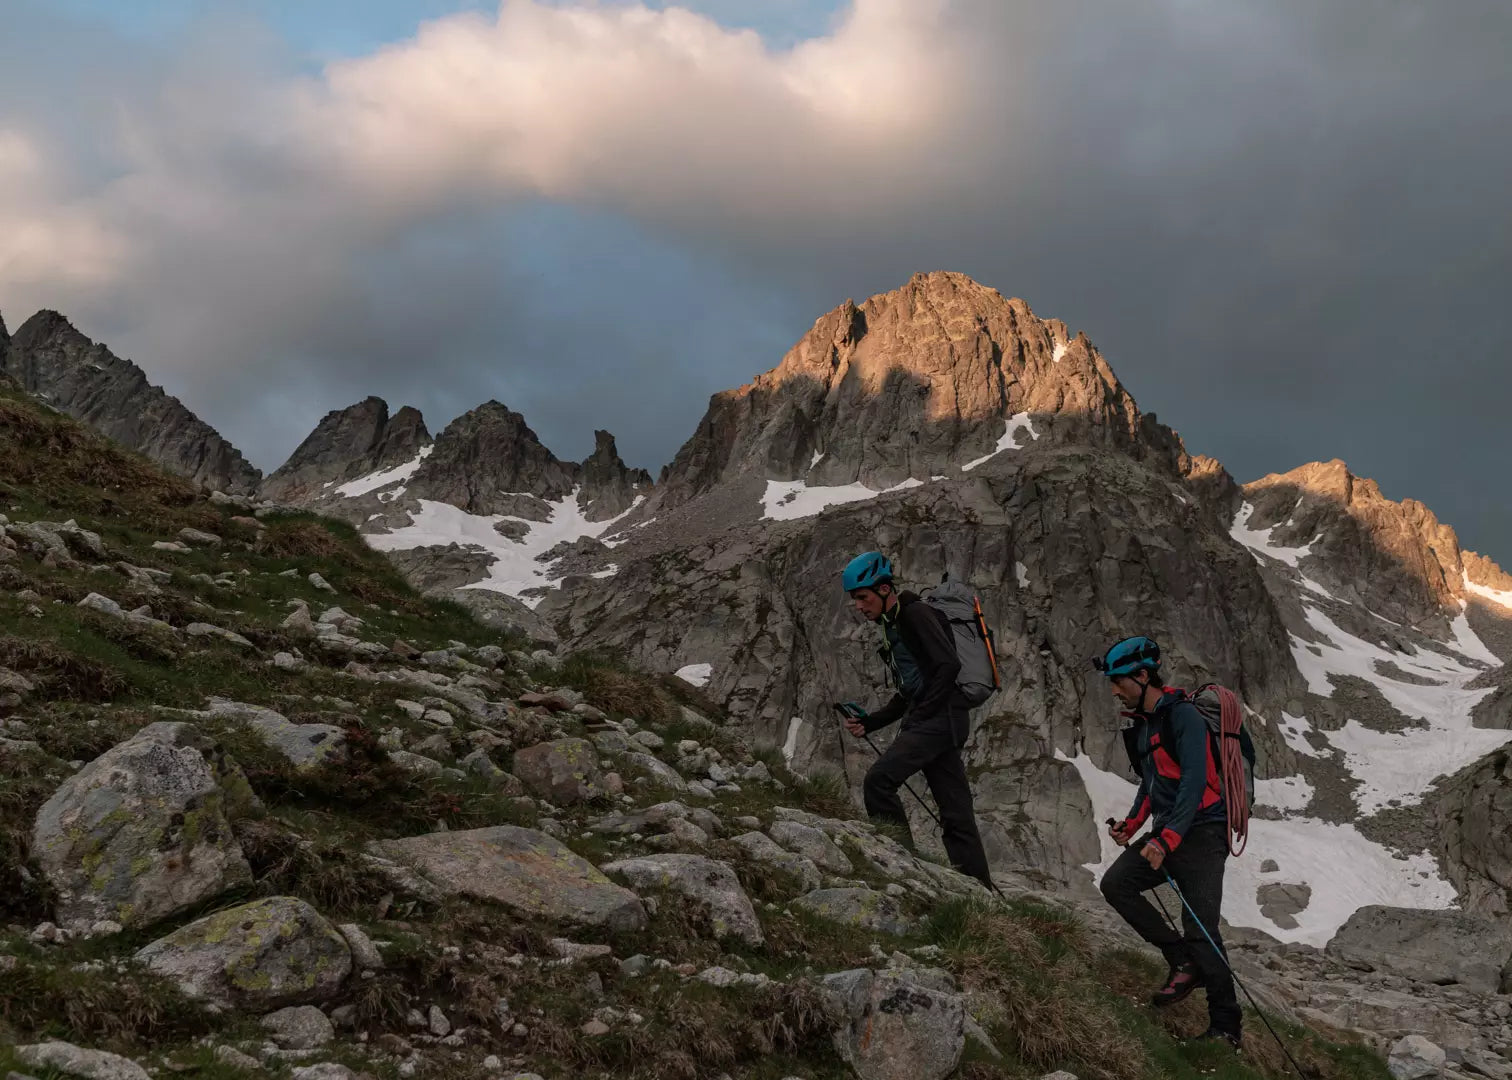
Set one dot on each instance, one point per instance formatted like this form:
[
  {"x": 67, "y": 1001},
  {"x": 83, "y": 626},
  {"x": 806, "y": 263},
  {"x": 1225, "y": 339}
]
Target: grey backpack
[{"x": 978, "y": 677}]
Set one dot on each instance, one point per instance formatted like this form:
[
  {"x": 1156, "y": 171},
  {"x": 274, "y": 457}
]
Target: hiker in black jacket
[{"x": 934, "y": 718}]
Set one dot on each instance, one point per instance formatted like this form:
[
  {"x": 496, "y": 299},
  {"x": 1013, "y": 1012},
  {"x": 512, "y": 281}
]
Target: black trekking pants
[
  {"x": 933, "y": 753},
  {"x": 1197, "y": 865}
]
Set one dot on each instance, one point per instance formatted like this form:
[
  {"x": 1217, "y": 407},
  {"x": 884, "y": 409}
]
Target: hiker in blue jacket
[
  {"x": 1180, "y": 795},
  {"x": 934, "y": 717}
]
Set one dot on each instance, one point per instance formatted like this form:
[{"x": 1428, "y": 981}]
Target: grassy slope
[{"x": 1045, "y": 997}]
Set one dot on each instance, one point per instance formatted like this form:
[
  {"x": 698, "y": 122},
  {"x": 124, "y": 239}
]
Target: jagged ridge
[{"x": 53, "y": 360}]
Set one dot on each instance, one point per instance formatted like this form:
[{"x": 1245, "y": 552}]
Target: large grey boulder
[
  {"x": 565, "y": 771},
  {"x": 812, "y": 844},
  {"x": 305, "y": 746},
  {"x": 258, "y": 956},
  {"x": 71, "y": 1060},
  {"x": 710, "y": 885},
  {"x": 527, "y": 871},
  {"x": 1413, "y": 1057},
  {"x": 761, "y": 848},
  {"x": 1473, "y": 823},
  {"x": 863, "y": 909},
  {"x": 145, "y": 830},
  {"x": 895, "y": 1028},
  {"x": 1430, "y": 946}
]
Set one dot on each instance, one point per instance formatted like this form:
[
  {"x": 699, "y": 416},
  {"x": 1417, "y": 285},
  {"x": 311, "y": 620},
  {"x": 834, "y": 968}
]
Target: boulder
[
  {"x": 527, "y": 871},
  {"x": 895, "y": 1029},
  {"x": 812, "y": 844},
  {"x": 145, "y": 830},
  {"x": 299, "y": 1027},
  {"x": 306, "y": 746},
  {"x": 762, "y": 849},
  {"x": 711, "y": 886},
  {"x": 565, "y": 771},
  {"x": 71, "y": 1060},
  {"x": 865, "y": 909},
  {"x": 258, "y": 956},
  {"x": 1430, "y": 946},
  {"x": 1413, "y": 1057}
]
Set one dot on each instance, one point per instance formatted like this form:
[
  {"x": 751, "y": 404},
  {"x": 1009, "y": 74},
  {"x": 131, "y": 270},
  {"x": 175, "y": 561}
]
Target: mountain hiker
[
  {"x": 932, "y": 711},
  {"x": 1180, "y": 795}
]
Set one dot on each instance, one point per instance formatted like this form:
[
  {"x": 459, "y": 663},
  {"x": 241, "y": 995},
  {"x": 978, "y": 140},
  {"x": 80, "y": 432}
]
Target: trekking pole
[
  {"x": 1232, "y": 974},
  {"x": 909, "y": 786}
]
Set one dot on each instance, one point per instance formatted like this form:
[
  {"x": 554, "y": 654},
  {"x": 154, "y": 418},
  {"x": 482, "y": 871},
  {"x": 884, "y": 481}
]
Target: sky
[{"x": 1285, "y": 224}]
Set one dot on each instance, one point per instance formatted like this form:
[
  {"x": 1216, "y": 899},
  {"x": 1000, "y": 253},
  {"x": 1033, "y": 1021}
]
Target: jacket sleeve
[
  {"x": 890, "y": 713},
  {"x": 1191, "y": 734},
  {"x": 929, "y": 639}
]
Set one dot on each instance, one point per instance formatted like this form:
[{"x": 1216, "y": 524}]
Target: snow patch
[
  {"x": 790, "y": 745},
  {"x": 1294, "y": 730},
  {"x": 384, "y": 477},
  {"x": 818, "y": 456},
  {"x": 517, "y": 567},
  {"x": 1021, "y": 572},
  {"x": 787, "y": 500},
  {"x": 1395, "y": 768},
  {"x": 1288, "y": 794},
  {"x": 608, "y": 571},
  {"x": 1485, "y": 592},
  {"x": 1259, "y": 542},
  {"x": 1468, "y": 643},
  {"x": 1016, "y": 423},
  {"x": 1345, "y": 870},
  {"x": 696, "y": 674},
  {"x": 1061, "y": 348}
]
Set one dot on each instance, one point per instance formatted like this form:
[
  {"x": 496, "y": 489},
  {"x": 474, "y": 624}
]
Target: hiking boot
[
  {"x": 1218, "y": 1035},
  {"x": 1183, "y": 979}
]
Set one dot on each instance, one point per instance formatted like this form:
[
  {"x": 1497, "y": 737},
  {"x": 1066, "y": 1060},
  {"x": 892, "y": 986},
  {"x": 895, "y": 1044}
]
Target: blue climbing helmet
[
  {"x": 1128, "y": 656},
  {"x": 866, "y": 572}
]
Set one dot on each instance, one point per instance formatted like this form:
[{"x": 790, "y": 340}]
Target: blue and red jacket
[{"x": 1179, "y": 784}]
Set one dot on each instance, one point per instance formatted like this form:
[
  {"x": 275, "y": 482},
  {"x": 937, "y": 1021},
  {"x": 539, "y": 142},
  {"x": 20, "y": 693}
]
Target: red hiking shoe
[{"x": 1183, "y": 979}]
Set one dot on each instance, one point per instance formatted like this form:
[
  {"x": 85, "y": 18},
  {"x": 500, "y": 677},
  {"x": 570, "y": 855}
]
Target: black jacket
[{"x": 926, "y": 634}]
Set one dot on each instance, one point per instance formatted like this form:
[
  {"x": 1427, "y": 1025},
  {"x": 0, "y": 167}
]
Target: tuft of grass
[
  {"x": 1029, "y": 962},
  {"x": 58, "y": 673},
  {"x": 128, "y": 1009}
]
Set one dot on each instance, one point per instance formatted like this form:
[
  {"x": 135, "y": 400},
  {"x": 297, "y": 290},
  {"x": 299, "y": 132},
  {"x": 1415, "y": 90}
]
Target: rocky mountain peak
[
  {"x": 50, "y": 358},
  {"x": 1397, "y": 557},
  {"x": 610, "y": 486},
  {"x": 486, "y": 456},
  {"x": 937, "y": 376},
  {"x": 347, "y": 444}
]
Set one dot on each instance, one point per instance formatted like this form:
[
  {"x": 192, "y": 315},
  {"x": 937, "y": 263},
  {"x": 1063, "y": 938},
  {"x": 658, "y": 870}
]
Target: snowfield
[
  {"x": 517, "y": 566},
  {"x": 1344, "y": 870},
  {"x": 788, "y": 500}
]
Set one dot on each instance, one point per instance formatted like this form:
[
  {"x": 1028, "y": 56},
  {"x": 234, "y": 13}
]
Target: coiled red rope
[{"x": 1231, "y": 770}]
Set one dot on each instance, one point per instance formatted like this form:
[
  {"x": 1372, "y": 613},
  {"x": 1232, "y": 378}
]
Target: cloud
[{"x": 1283, "y": 222}]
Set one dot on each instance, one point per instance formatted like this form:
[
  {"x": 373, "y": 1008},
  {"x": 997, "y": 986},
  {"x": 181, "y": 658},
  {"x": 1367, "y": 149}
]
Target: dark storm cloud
[{"x": 1285, "y": 224}]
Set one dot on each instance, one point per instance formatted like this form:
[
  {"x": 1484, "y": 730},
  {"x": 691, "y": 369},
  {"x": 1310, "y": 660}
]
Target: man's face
[
  {"x": 869, "y": 603},
  {"x": 1128, "y": 690}
]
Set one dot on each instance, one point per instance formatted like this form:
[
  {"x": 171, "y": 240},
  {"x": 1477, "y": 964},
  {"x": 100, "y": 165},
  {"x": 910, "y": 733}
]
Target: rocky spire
[
  {"x": 1395, "y": 557},
  {"x": 346, "y": 444},
  {"x": 488, "y": 455},
  {"x": 51, "y": 359},
  {"x": 609, "y": 485},
  {"x": 912, "y": 384}
]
